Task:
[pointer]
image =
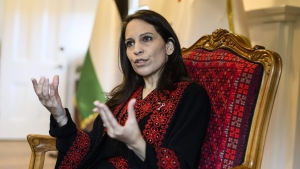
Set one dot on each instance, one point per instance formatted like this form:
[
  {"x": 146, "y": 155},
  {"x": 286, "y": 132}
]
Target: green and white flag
[
  {"x": 191, "y": 19},
  {"x": 100, "y": 71}
]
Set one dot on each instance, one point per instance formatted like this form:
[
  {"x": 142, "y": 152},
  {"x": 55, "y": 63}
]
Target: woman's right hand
[{"x": 49, "y": 97}]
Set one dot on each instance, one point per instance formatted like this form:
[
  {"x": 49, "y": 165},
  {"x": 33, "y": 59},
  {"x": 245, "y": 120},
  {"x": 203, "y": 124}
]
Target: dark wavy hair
[{"x": 174, "y": 69}]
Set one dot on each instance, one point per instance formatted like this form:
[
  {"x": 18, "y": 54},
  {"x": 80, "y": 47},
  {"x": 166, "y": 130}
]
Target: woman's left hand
[{"x": 130, "y": 133}]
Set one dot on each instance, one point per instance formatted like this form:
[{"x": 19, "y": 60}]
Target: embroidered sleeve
[
  {"x": 166, "y": 158},
  {"x": 77, "y": 151},
  {"x": 72, "y": 144},
  {"x": 119, "y": 162}
]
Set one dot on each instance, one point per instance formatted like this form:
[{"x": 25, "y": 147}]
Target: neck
[
  {"x": 147, "y": 91},
  {"x": 150, "y": 85}
]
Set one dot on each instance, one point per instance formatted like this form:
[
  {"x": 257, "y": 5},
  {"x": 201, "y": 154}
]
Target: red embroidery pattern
[
  {"x": 158, "y": 123},
  {"x": 119, "y": 162},
  {"x": 77, "y": 151},
  {"x": 160, "y": 111},
  {"x": 225, "y": 75},
  {"x": 168, "y": 158},
  {"x": 161, "y": 115}
]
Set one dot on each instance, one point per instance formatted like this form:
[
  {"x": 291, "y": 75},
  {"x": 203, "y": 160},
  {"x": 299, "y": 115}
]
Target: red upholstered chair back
[{"x": 241, "y": 82}]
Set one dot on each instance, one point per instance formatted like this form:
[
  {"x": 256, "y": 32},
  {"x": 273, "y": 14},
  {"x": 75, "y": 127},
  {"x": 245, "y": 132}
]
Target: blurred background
[{"x": 78, "y": 40}]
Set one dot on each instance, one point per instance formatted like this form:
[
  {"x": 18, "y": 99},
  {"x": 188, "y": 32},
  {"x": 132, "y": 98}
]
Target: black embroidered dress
[{"x": 173, "y": 127}]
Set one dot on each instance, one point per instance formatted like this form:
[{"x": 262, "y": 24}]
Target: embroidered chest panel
[{"x": 159, "y": 109}]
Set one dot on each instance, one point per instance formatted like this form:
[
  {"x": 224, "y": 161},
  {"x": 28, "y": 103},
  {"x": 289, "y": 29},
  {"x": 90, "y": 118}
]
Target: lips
[{"x": 140, "y": 60}]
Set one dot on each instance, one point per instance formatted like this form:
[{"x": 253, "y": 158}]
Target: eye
[
  {"x": 129, "y": 43},
  {"x": 147, "y": 38}
]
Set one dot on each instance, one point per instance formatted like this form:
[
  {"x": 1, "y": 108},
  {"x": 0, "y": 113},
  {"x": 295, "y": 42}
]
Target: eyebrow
[{"x": 147, "y": 33}]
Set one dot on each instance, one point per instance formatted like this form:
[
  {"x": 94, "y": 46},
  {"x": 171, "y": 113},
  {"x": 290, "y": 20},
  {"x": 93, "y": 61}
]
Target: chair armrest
[{"x": 39, "y": 145}]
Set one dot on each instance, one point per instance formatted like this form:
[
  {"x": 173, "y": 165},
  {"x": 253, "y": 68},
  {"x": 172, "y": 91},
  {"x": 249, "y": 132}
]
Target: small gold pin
[{"x": 161, "y": 105}]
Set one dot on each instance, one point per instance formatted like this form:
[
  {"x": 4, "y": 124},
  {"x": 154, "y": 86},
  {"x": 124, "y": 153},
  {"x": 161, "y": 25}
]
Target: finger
[
  {"x": 112, "y": 121},
  {"x": 97, "y": 106},
  {"x": 39, "y": 86},
  {"x": 55, "y": 82},
  {"x": 52, "y": 93},
  {"x": 98, "y": 109},
  {"x": 34, "y": 83},
  {"x": 130, "y": 108},
  {"x": 45, "y": 88},
  {"x": 106, "y": 123},
  {"x": 104, "y": 116}
]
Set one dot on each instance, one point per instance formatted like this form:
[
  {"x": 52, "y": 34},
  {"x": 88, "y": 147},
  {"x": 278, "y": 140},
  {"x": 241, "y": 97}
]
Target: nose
[{"x": 138, "y": 49}]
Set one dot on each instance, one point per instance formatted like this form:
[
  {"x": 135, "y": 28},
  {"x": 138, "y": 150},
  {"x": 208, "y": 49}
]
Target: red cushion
[{"x": 232, "y": 84}]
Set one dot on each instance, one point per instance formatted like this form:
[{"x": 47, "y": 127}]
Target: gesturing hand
[
  {"x": 49, "y": 97},
  {"x": 130, "y": 133}
]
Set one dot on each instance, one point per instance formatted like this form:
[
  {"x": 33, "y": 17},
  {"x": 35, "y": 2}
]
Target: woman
[{"x": 156, "y": 118}]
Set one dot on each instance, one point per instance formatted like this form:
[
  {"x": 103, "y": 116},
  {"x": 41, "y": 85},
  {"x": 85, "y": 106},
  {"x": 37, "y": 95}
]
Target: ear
[{"x": 169, "y": 47}]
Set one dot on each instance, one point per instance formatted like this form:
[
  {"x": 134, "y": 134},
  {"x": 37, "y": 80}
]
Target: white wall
[
  {"x": 1, "y": 15},
  {"x": 275, "y": 24},
  {"x": 1, "y": 20},
  {"x": 258, "y": 4},
  {"x": 296, "y": 53}
]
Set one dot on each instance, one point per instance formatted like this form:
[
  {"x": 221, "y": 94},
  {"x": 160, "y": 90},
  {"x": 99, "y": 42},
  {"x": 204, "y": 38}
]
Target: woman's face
[{"x": 145, "y": 49}]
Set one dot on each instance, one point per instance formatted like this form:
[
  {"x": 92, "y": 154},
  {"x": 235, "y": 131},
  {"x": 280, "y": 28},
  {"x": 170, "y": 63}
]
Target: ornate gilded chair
[{"x": 241, "y": 82}]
